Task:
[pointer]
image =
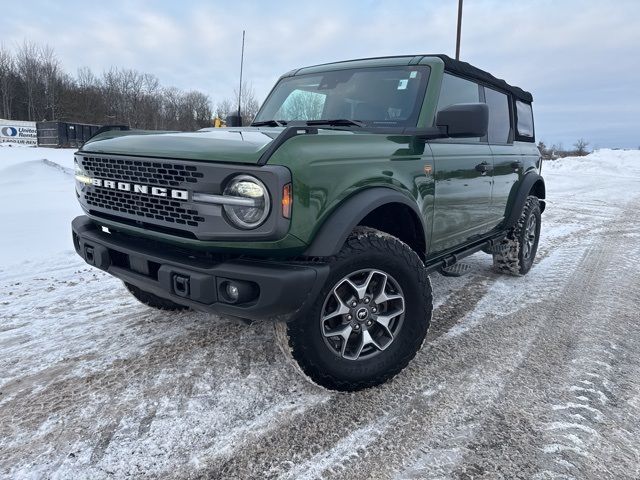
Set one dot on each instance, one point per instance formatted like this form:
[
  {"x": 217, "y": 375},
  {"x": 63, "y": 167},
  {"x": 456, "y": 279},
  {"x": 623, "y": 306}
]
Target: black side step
[
  {"x": 456, "y": 270},
  {"x": 447, "y": 264}
]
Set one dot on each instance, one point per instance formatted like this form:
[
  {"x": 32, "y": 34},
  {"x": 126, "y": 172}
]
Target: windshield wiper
[
  {"x": 337, "y": 122},
  {"x": 269, "y": 123}
]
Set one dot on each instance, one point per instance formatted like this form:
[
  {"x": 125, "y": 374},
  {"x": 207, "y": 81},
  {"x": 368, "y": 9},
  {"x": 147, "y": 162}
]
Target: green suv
[{"x": 354, "y": 182}]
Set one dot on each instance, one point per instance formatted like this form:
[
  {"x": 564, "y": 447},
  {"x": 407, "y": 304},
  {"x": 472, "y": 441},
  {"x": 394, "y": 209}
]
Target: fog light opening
[{"x": 238, "y": 291}]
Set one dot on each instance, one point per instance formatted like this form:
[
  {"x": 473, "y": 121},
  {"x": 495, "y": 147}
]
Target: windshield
[{"x": 385, "y": 96}]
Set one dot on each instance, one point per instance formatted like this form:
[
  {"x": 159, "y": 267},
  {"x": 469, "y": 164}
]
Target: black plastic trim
[
  {"x": 518, "y": 197},
  {"x": 452, "y": 257},
  {"x": 289, "y": 132},
  {"x": 285, "y": 288},
  {"x": 334, "y": 231}
]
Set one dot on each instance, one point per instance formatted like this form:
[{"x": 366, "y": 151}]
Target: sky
[{"x": 579, "y": 58}]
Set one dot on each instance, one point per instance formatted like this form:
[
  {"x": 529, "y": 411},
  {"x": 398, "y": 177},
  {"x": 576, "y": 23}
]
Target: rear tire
[
  {"x": 377, "y": 303},
  {"x": 518, "y": 249},
  {"x": 153, "y": 301}
]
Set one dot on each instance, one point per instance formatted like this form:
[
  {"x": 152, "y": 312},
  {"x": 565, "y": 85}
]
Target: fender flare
[
  {"x": 519, "y": 197},
  {"x": 343, "y": 219}
]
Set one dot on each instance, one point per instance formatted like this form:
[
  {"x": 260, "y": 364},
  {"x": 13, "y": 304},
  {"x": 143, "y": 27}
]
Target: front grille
[
  {"x": 143, "y": 206},
  {"x": 156, "y": 194},
  {"x": 141, "y": 171}
]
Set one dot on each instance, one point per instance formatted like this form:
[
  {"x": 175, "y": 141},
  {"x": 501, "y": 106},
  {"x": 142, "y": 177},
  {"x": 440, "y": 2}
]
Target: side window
[
  {"x": 458, "y": 90},
  {"x": 524, "y": 114},
  {"x": 499, "y": 121}
]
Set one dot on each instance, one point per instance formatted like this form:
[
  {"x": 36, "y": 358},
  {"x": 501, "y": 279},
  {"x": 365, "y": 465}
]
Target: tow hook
[{"x": 181, "y": 285}]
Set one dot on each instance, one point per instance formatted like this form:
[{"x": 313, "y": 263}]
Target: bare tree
[
  {"x": 225, "y": 108},
  {"x": 545, "y": 152},
  {"x": 249, "y": 105},
  {"x": 51, "y": 79},
  {"x": 581, "y": 147},
  {"x": 301, "y": 105},
  {"x": 29, "y": 70},
  {"x": 200, "y": 109},
  {"x": 7, "y": 82}
]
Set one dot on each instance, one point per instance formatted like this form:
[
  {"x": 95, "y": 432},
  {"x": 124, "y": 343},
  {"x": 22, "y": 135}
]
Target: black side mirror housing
[{"x": 464, "y": 120}]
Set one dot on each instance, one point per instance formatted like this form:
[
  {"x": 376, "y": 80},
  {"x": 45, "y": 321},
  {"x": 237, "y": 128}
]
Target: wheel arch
[
  {"x": 539, "y": 190},
  {"x": 531, "y": 184},
  {"x": 382, "y": 208}
]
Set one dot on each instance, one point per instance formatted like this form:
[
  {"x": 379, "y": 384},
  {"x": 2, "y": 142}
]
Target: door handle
[
  {"x": 484, "y": 167},
  {"x": 516, "y": 165}
]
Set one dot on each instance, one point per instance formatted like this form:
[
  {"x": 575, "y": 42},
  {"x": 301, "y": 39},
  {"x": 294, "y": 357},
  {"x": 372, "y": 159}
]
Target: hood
[{"x": 233, "y": 145}]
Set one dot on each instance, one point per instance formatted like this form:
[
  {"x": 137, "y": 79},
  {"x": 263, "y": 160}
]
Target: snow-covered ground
[
  {"x": 37, "y": 202},
  {"x": 534, "y": 377}
]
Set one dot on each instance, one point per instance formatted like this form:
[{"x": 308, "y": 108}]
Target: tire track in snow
[{"x": 548, "y": 415}]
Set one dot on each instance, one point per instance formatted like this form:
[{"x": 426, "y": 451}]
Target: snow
[
  {"x": 603, "y": 162},
  {"x": 38, "y": 203}
]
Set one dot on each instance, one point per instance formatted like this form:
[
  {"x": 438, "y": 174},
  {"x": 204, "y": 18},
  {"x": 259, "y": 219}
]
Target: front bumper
[{"x": 279, "y": 289}]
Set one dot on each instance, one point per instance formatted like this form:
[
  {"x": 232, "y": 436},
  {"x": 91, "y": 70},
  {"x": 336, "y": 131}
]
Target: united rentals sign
[{"x": 22, "y": 133}]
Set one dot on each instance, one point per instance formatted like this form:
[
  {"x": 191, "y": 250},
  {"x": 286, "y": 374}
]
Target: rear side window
[
  {"x": 524, "y": 114},
  {"x": 457, "y": 90},
  {"x": 499, "y": 118}
]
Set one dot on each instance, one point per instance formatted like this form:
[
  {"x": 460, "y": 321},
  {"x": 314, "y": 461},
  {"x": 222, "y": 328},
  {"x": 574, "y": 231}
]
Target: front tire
[
  {"x": 370, "y": 318},
  {"x": 518, "y": 249}
]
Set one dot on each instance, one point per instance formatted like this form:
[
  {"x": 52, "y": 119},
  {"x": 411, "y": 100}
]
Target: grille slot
[
  {"x": 144, "y": 206},
  {"x": 141, "y": 171}
]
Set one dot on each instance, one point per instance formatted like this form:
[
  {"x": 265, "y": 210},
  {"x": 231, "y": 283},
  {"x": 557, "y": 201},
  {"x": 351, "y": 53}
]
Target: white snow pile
[
  {"x": 607, "y": 162},
  {"x": 37, "y": 203},
  {"x": 37, "y": 197}
]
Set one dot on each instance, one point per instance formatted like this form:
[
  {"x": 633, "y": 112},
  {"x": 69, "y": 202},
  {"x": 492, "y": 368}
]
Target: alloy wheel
[
  {"x": 530, "y": 236},
  {"x": 362, "y": 314}
]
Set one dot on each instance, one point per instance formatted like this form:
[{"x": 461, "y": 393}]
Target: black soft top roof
[
  {"x": 467, "y": 70},
  {"x": 454, "y": 66}
]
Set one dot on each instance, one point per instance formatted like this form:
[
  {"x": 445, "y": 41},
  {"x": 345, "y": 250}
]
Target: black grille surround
[{"x": 178, "y": 215}]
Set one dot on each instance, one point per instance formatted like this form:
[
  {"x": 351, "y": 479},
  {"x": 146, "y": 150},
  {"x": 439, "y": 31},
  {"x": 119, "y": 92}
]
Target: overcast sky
[{"x": 580, "y": 59}]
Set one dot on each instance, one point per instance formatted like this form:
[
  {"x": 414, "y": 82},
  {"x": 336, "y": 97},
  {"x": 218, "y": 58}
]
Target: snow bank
[
  {"x": 605, "y": 162},
  {"x": 37, "y": 203}
]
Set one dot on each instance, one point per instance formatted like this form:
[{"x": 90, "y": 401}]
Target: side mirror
[
  {"x": 233, "y": 121},
  {"x": 464, "y": 120}
]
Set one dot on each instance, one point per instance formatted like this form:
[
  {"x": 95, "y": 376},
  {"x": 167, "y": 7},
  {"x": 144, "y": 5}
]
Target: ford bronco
[{"x": 355, "y": 181}]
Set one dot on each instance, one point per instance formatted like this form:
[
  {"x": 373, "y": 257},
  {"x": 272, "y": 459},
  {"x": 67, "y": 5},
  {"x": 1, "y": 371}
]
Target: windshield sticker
[
  {"x": 402, "y": 84},
  {"x": 413, "y": 74}
]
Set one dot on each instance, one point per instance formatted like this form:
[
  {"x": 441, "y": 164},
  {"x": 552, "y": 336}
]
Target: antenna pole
[
  {"x": 240, "y": 89},
  {"x": 459, "y": 30}
]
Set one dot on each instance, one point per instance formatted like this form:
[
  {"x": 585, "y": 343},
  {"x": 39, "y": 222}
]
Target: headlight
[
  {"x": 248, "y": 204},
  {"x": 80, "y": 174}
]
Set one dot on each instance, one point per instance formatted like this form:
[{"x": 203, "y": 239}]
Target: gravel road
[{"x": 532, "y": 377}]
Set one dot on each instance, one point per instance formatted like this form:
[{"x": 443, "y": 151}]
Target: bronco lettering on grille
[{"x": 144, "y": 189}]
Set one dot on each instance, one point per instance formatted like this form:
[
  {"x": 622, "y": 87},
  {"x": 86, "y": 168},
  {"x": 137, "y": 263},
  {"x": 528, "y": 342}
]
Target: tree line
[
  {"x": 34, "y": 87},
  {"x": 556, "y": 151}
]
